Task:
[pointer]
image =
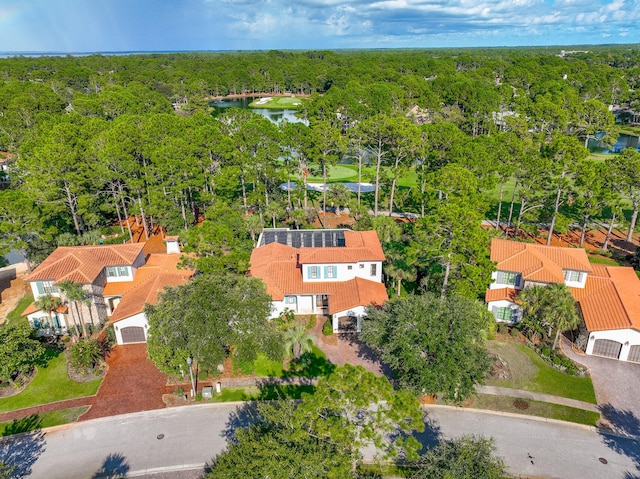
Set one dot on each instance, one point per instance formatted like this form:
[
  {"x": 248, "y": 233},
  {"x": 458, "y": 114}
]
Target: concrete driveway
[{"x": 617, "y": 387}]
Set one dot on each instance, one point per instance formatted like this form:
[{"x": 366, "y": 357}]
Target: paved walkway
[
  {"x": 132, "y": 384},
  {"x": 347, "y": 348},
  {"x": 519, "y": 393},
  {"x": 49, "y": 407}
]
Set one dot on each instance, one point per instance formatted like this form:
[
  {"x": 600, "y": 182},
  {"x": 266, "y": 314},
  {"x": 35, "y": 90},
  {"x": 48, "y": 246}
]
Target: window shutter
[
  {"x": 40, "y": 287},
  {"x": 309, "y": 272},
  {"x": 494, "y": 310},
  {"x": 326, "y": 272},
  {"x": 499, "y": 278},
  {"x": 518, "y": 280}
]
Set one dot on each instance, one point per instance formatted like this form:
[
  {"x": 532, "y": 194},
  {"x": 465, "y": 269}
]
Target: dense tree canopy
[
  {"x": 323, "y": 435},
  {"x": 207, "y": 319},
  {"x": 433, "y": 345}
]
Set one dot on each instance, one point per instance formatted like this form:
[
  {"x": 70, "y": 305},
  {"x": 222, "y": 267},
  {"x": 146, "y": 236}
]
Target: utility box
[
  {"x": 207, "y": 392},
  {"x": 218, "y": 387}
]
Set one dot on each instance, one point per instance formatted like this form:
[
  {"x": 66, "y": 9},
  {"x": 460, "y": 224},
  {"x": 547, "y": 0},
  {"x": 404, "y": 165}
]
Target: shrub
[
  {"x": 179, "y": 392},
  {"x": 86, "y": 354},
  {"x": 327, "y": 329},
  {"x": 503, "y": 328},
  {"x": 545, "y": 351}
]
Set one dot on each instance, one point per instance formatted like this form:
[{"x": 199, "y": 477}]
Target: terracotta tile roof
[
  {"x": 83, "y": 264},
  {"x": 62, "y": 309},
  {"x": 610, "y": 299},
  {"x": 360, "y": 246},
  {"x": 538, "y": 262},
  {"x": 501, "y": 294},
  {"x": 280, "y": 267},
  {"x": 159, "y": 271}
]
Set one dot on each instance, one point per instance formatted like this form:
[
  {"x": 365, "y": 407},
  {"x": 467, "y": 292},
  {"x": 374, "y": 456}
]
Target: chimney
[{"x": 173, "y": 244}]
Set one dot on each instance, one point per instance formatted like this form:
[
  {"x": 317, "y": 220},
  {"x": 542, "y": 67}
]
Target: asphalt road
[{"x": 167, "y": 440}]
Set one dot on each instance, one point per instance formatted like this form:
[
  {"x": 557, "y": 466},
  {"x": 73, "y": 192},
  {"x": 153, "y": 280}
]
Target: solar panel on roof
[{"x": 307, "y": 239}]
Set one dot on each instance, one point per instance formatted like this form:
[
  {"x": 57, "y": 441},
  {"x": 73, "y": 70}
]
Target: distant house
[
  {"x": 5, "y": 160},
  {"x": 329, "y": 272},
  {"x": 118, "y": 279},
  {"x": 608, "y": 296}
]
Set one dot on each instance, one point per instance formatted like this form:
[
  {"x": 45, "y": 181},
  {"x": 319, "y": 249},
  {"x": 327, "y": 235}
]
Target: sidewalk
[{"x": 519, "y": 393}]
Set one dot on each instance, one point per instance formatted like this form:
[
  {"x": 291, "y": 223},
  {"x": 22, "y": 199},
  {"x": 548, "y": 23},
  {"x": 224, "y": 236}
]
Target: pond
[
  {"x": 624, "y": 141},
  {"x": 272, "y": 114}
]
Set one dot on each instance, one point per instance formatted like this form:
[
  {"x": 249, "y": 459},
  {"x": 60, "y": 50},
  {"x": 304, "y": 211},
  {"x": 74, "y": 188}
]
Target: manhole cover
[
  {"x": 160, "y": 436},
  {"x": 603, "y": 460}
]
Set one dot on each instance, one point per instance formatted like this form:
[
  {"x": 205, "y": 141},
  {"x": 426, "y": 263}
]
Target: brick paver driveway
[
  {"x": 132, "y": 384},
  {"x": 617, "y": 387}
]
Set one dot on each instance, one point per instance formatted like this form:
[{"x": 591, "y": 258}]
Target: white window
[
  {"x": 314, "y": 272},
  {"x": 361, "y": 266},
  {"x": 507, "y": 277},
  {"x": 117, "y": 271},
  {"x": 572, "y": 275},
  {"x": 504, "y": 314},
  {"x": 374, "y": 269},
  {"x": 46, "y": 287},
  {"x": 350, "y": 267},
  {"x": 331, "y": 272}
]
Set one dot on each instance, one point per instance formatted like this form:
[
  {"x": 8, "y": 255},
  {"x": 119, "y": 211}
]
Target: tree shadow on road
[
  {"x": 244, "y": 415},
  {"x": 22, "y": 444},
  {"x": 114, "y": 466},
  {"x": 623, "y": 423},
  {"x": 431, "y": 436}
]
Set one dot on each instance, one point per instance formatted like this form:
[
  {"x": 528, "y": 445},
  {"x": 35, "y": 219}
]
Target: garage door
[
  {"x": 607, "y": 348},
  {"x": 634, "y": 354},
  {"x": 133, "y": 334}
]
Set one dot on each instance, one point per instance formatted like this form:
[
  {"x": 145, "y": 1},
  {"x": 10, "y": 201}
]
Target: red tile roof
[
  {"x": 62, "y": 309},
  {"x": 538, "y": 262},
  {"x": 160, "y": 271},
  {"x": 610, "y": 299},
  {"x": 280, "y": 267},
  {"x": 83, "y": 264},
  {"x": 501, "y": 294}
]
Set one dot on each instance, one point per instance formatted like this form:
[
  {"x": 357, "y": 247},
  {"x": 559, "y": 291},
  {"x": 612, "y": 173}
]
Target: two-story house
[
  {"x": 331, "y": 272},
  {"x": 117, "y": 280},
  {"x": 608, "y": 296},
  {"x": 521, "y": 265}
]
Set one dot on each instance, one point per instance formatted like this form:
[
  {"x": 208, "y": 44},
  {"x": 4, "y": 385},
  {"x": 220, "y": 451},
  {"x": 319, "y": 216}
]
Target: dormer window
[
  {"x": 575, "y": 276},
  {"x": 507, "y": 277},
  {"x": 117, "y": 271}
]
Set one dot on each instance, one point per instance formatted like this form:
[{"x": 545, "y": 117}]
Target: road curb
[{"x": 511, "y": 414}]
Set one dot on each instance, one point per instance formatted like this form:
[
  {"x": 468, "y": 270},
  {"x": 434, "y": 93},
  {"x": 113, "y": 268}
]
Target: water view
[
  {"x": 624, "y": 141},
  {"x": 272, "y": 114}
]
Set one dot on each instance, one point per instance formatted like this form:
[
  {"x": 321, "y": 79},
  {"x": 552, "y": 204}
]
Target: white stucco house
[
  {"x": 608, "y": 296},
  {"x": 331, "y": 272},
  {"x": 118, "y": 280}
]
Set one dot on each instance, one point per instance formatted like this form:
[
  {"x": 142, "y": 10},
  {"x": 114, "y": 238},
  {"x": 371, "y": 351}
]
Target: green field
[{"x": 279, "y": 102}]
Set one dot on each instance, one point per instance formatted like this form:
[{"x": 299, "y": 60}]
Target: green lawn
[
  {"x": 311, "y": 365},
  {"x": 52, "y": 383},
  {"x": 279, "y": 102},
  {"x": 253, "y": 393},
  {"x": 531, "y": 373},
  {"x": 536, "y": 408},
  {"x": 603, "y": 260},
  {"x": 14, "y": 317},
  {"x": 37, "y": 421}
]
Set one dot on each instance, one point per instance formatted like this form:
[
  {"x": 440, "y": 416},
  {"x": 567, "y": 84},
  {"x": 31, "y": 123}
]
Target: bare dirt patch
[{"x": 12, "y": 288}]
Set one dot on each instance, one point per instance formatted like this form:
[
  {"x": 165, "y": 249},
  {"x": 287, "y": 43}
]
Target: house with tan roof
[
  {"x": 118, "y": 281},
  {"x": 608, "y": 296},
  {"x": 330, "y": 272}
]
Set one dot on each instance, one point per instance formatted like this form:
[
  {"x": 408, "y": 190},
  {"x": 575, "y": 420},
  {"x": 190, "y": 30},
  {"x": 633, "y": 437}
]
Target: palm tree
[
  {"x": 76, "y": 294},
  {"x": 400, "y": 270},
  {"x": 561, "y": 313},
  {"x": 297, "y": 341},
  {"x": 339, "y": 195},
  {"x": 48, "y": 304},
  {"x": 552, "y": 307}
]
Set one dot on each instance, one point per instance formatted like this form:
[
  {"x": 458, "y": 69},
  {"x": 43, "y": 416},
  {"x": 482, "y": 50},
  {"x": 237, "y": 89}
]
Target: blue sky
[{"x": 161, "y": 25}]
